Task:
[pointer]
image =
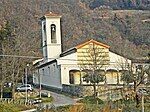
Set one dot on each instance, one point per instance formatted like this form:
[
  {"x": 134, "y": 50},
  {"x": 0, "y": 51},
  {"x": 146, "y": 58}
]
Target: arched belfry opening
[{"x": 53, "y": 33}]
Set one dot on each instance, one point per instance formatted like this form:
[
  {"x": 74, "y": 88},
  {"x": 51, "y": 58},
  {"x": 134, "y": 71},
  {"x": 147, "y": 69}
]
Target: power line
[
  {"x": 17, "y": 56},
  {"x": 33, "y": 57}
]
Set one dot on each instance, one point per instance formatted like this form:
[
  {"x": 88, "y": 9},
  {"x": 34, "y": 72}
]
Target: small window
[
  {"x": 43, "y": 71},
  {"x": 49, "y": 70},
  {"x": 45, "y": 43},
  {"x": 44, "y": 29}
]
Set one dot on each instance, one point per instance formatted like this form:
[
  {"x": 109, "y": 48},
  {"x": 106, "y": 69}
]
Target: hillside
[
  {"x": 126, "y": 31},
  {"x": 119, "y": 4}
]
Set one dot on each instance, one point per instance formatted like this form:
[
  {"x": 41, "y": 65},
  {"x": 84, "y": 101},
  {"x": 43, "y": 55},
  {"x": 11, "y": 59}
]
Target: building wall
[
  {"x": 35, "y": 77},
  {"x": 67, "y": 63},
  {"x": 113, "y": 75},
  {"x": 57, "y": 74},
  {"x": 86, "y": 54},
  {"x": 60, "y": 71},
  {"x": 117, "y": 61},
  {"x": 54, "y": 49},
  {"x": 50, "y": 76},
  {"x": 51, "y": 50},
  {"x": 65, "y": 72},
  {"x": 69, "y": 59}
]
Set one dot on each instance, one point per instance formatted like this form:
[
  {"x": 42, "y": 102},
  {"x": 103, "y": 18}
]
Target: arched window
[{"x": 53, "y": 33}]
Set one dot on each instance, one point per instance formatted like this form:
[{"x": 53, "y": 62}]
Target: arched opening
[
  {"x": 84, "y": 75},
  {"x": 74, "y": 77},
  {"x": 112, "y": 76},
  {"x": 53, "y": 33},
  {"x": 88, "y": 75}
]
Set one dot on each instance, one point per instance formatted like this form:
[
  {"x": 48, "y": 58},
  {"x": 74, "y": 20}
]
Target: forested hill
[
  {"x": 120, "y": 4},
  {"x": 126, "y": 31}
]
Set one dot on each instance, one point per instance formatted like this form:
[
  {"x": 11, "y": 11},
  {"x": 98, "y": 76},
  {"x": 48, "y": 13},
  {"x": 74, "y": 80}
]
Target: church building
[{"x": 59, "y": 68}]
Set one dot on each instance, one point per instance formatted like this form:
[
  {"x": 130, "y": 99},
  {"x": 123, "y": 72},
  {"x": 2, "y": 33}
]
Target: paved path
[{"x": 59, "y": 99}]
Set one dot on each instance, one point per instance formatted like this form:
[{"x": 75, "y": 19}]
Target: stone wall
[
  {"x": 104, "y": 93},
  {"x": 78, "y": 90}
]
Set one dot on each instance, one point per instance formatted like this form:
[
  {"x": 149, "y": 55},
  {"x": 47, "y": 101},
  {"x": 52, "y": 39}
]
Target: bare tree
[
  {"x": 5, "y": 32},
  {"x": 12, "y": 68},
  {"x": 135, "y": 73},
  {"x": 94, "y": 59}
]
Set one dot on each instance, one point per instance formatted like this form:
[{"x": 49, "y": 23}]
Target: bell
[{"x": 53, "y": 28}]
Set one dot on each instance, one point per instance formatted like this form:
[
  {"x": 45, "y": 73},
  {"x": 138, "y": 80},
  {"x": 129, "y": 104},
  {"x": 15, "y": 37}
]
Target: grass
[
  {"x": 12, "y": 107},
  {"x": 47, "y": 99},
  {"x": 91, "y": 100},
  {"x": 88, "y": 104},
  {"x": 130, "y": 106},
  {"x": 19, "y": 103},
  {"x": 8, "y": 108}
]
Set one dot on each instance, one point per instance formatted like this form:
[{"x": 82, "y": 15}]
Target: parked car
[{"x": 25, "y": 87}]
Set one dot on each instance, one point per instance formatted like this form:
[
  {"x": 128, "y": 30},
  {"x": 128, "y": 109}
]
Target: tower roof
[{"x": 51, "y": 14}]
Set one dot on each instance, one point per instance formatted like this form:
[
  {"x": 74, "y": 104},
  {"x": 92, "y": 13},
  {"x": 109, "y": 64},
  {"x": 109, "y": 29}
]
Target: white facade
[
  {"x": 57, "y": 73},
  {"x": 117, "y": 61},
  {"x": 54, "y": 70}
]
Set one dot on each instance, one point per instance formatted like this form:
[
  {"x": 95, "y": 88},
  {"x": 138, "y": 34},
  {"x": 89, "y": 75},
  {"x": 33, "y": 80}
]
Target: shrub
[
  {"x": 91, "y": 100},
  {"x": 47, "y": 99}
]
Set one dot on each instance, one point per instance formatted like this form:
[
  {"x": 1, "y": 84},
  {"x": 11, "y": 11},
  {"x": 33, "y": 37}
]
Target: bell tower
[{"x": 51, "y": 36}]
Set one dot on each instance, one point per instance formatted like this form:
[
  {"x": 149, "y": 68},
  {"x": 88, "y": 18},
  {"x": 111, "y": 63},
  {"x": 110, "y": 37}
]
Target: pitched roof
[
  {"x": 52, "y": 14},
  {"x": 47, "y": 63},
  {"x": 92, "y": 41},
  {"x": 74, "y": 49}
]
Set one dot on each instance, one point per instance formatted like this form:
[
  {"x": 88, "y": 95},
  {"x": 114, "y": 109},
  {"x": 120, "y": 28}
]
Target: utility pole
[
  {"x": 26, "y": 73},
  {"x": 39, "y": 83}
]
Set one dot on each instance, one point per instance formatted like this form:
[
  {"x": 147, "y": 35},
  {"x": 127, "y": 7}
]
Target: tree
[
  {"x": 137, "y": 74},
  {"x": 12, "y": 68},
  {"x": 93, "y": 61},
  {"x": 5, "y": 32}
]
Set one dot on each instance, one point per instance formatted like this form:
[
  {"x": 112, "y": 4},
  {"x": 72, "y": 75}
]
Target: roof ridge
[{"x": 94, "y": 41}]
